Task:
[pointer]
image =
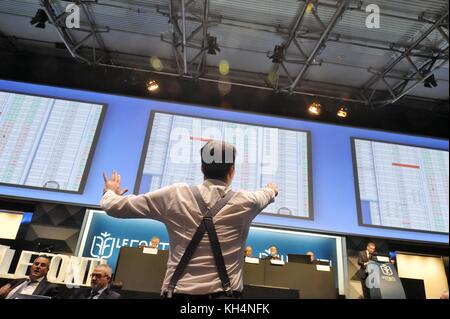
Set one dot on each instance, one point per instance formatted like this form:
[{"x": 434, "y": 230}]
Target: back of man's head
[{"x": 217, "y": 159}]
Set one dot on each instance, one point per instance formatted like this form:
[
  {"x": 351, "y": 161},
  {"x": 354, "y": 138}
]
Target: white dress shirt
[
  {"x": 175, "y": 206},
  {"x": 25, "y": 288}
]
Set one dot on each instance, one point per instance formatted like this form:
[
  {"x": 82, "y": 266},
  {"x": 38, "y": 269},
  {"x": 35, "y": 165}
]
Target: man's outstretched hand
[
  {"x": 274, "y": 187},
  {"x": 113, "y": 184}
]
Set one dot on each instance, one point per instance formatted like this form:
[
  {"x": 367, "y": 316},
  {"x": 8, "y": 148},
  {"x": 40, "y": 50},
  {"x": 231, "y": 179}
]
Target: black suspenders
[{"x": 206, "y": 226}]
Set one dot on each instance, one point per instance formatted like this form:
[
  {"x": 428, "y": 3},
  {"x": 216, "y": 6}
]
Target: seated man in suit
[
  {"x": 101, "y": 279},
  {"x": 154, "y": 242},
  {"x": 273, "y": 253},
  {"x": 312, "y": 257},
  {"x": 363, "y": 259},
  {"x": 35, "y": 284}
]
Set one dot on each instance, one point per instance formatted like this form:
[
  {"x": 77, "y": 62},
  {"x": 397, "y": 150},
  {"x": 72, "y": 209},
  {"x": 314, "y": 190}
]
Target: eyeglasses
[{"x": 98, "y": 275}]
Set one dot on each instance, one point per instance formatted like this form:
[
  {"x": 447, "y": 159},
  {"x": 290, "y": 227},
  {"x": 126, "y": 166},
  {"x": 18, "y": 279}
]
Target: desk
[
  {"x": 145, "y": 273},
  {"x": 311, "y": 283}
]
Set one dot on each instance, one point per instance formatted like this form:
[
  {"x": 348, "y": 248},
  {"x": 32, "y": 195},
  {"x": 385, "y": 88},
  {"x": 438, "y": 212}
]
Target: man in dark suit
[
  {"x": 101, "y": 279},
  {"x": 35, "y": 284},
  {"x": 364, "y": 257},
  {"x": 273, "y": 253},
  {"x": 312, "y": 258}
]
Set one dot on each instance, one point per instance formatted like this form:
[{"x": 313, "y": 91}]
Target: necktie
[
  {"x": 28, "y": 282},
  {"x": 93, "y": 294}
]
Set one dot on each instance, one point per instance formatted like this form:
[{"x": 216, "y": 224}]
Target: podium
[
  {"x": 383, "y": 281},
  {"x": 139, "y": 271}
]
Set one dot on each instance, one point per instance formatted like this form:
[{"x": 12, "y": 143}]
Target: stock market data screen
[
  {"x": 264, "y": 154},
  {"x": 402, "y": 186},
  {"x": 46, "y": 142}
]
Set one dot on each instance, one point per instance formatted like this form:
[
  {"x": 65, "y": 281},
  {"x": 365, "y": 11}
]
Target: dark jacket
[
  {"x": 270, "y": 257},
  {"x": 362, "y": 259},
  {"x": 43, "y": 289},
  {"x": 84, "y": 293}
]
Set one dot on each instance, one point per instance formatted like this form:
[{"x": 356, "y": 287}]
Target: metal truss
[
  {"x": 198, "y": 42},
  {"x": 309, "y": 59},
  {"x": 420, "y": 72},
  {"x": 57, "y": 17}
]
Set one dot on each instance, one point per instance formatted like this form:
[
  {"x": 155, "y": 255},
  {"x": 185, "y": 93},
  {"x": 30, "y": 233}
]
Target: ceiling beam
[
  {"x": 420, "y": 73},
  {"x": 286, "y": 45},
  {"x": 8, "y": 43},
  {"x": 323, "y": 39},
  {"x": 87, "y": 9},
  {"x": 182, "y": 41},
  {"x": 405, "y": 89},
  {"x": 57, "y": 19},
  {"x": 63, "y": 34}
]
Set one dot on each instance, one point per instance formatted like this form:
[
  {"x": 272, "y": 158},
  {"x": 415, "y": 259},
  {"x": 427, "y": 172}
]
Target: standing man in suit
[
  {"x": 35, "y": 284},
  {"x": 363, "y": 259},
  {"x": 101, "y": 279}
]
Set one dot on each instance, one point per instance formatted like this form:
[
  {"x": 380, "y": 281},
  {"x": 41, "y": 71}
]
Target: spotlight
[
  {"x": 430, "y": 82},
  {"x": 342, "y": 112},
  {"x": 156, "y": 63},
  {"x": 310, "y": 8},
  {"x": 39, "y": 19},
  {"x": 152, "y": 86},
  {"x": 272, "y": 78},
  {"x": 213, "y": 47},
  {"x": 278, "y": 54},
  {"x": 315, "y": 108},
  {"x": 224, "y": 67}
]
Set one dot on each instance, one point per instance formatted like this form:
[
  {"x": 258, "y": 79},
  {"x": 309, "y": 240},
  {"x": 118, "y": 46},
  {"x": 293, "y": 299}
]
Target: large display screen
[
  {"x": 401, "y": 186},
  {"x": 264, "y": 154},
  {"x": 46, "y": 142},
  {"x": 129, "y": 145}
]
